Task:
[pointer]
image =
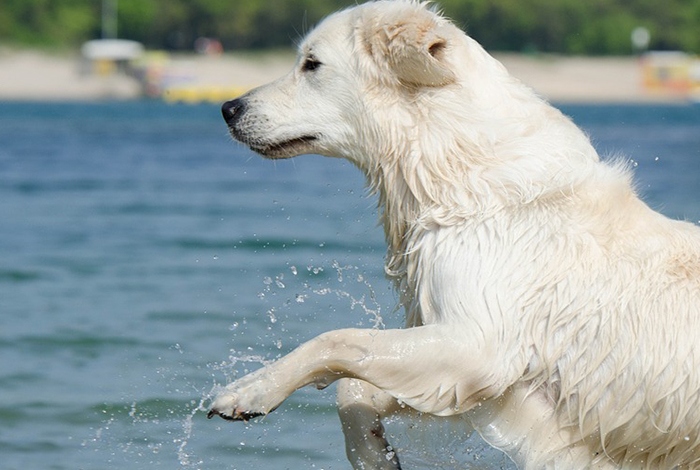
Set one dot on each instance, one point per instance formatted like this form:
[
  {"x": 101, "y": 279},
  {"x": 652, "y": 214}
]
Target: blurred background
[
  {"x": 597, "y": 27},
  {"x": 146, "y": 259},
  {"x": 252, "y": 40}
]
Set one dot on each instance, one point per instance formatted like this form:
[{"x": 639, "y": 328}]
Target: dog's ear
[{"x": 414, "y": 48}]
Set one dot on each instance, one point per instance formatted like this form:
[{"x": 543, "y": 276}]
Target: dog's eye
[{"x": 311, "y": 64}]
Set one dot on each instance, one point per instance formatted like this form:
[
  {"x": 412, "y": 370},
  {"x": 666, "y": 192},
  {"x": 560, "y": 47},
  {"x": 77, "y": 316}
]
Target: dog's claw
[
  {"x": 244, "y": 416},
  {"x": 248, "y": 415}
]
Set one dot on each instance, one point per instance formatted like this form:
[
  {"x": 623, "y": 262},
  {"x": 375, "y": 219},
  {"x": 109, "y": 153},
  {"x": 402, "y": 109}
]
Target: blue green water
[{"x": 145, "y": 258}]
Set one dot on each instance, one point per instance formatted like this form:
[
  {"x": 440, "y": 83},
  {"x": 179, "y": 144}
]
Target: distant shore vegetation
[{"x": 592, "y": 27}]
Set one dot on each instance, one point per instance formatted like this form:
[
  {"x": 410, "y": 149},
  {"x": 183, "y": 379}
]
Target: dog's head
[{"x": 361, "y": 75}]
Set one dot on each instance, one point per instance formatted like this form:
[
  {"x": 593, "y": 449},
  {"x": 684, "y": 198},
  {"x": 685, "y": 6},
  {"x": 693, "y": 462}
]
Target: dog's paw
[
  {"x": 232, "y": 407},
  {"x": 246, "y": 399}
]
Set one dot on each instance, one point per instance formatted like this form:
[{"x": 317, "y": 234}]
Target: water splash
[
  {"x": 183, "y": 456},
  {"x": 293, "y": 297},
  {"x": 296, "y": 298},
  {"x": 367, "y": 302},
  {"x": 444, "y": 443}
]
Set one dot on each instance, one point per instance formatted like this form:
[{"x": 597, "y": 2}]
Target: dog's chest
[{"x": 468, "y": 271}]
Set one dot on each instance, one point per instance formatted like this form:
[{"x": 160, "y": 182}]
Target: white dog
[{"x": 543, "y": 298}]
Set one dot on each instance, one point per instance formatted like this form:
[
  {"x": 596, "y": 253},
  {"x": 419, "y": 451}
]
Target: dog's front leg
[
  {"x": 436, "y": 369},
  {"x": 361, "y": 406}
]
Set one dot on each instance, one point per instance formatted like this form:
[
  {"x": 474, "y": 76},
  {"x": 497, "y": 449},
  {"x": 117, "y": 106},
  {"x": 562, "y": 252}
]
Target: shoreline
[{"x": 30, "y": 75}]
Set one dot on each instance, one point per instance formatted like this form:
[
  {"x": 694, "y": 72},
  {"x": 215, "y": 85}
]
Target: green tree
[
  {"x": 561, "y": 26},
  {"x": 46, "y": 22}
]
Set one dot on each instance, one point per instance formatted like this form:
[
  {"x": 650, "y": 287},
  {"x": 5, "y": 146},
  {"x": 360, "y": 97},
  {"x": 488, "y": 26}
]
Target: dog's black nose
[{"x": 233, "y": 110}]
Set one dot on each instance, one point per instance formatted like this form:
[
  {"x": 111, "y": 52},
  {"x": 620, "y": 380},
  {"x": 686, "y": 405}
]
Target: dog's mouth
[{"x": 285, "y": 148}]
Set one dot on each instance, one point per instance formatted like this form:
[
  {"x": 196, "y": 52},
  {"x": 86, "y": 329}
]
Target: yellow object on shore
[{"x": 202, "y": 93}]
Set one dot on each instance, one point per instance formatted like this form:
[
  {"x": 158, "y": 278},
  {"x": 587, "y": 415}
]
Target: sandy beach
[{"x": 36, "y": 76}]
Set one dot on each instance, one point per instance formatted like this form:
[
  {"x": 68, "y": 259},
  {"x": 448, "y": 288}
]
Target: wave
[
  {"x": 18, "y": 275},
  {"x": 78, "y": 343},
  {"x": 70, "y": 185},
  {"x": 255, "y": 244}
]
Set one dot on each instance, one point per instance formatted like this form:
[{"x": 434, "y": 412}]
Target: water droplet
[{"x": 314, "y": 270}]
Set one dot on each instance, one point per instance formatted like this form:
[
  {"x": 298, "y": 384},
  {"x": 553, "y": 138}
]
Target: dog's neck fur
[{"x": 494, "y": 180}]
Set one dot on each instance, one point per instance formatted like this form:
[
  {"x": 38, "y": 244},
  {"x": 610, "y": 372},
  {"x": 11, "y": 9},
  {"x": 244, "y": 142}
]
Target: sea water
[{"x": 147, "y": 259}]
